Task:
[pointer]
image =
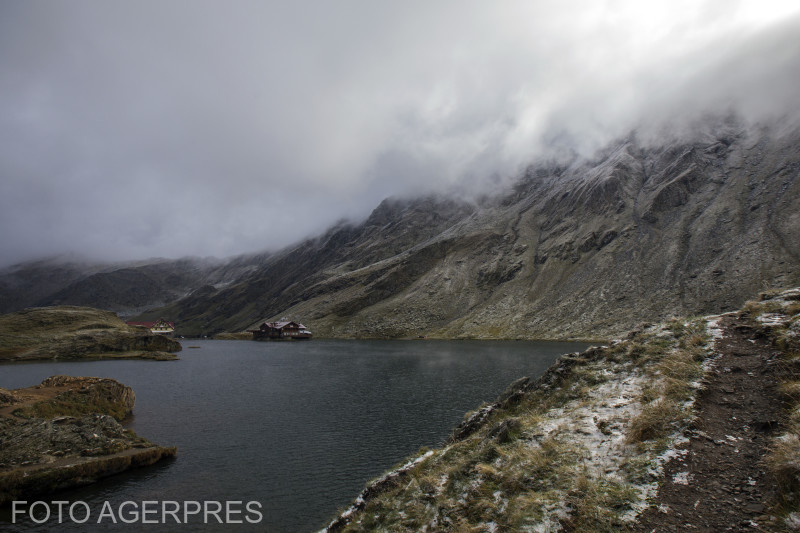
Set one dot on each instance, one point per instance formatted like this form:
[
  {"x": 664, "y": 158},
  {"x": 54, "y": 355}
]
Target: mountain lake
[{"x": 299, "y": 427}]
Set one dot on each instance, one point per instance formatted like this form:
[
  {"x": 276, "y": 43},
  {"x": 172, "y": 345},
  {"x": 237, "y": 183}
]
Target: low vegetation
[
  {"x": 70, "y": 332},
  {"x": 780, "y": 315},
  {"x": 66, "y": 432},
  {"x": 579, "y": 450},
  {"x": 238, "y": 336},
  {"x": 77, "y": 396}
]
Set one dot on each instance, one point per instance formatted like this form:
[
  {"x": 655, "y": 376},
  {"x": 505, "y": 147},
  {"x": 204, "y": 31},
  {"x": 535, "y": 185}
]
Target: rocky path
[{"x": 718, "y": 481}]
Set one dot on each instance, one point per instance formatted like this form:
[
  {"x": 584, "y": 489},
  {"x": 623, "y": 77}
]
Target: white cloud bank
[{"x": 137, "y": 129}]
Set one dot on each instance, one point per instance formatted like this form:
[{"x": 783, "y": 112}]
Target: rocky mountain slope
[
  {"x": 581, "y": 249},
  {"x": 341, "y": 264},
  {"x": 126, "y": 288}
]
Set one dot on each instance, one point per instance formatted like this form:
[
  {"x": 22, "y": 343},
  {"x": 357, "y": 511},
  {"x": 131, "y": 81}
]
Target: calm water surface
[{"x": 298, "y": 427}]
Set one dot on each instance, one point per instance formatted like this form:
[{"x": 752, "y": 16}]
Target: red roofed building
[{"x": 160, "y": 326}]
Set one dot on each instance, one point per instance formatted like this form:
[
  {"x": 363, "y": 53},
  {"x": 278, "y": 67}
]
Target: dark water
[{"x": 297, "y": 427}]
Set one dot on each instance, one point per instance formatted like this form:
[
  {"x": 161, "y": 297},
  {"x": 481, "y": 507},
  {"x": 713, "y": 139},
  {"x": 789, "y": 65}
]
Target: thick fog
[{"x": 148, "y": 128}]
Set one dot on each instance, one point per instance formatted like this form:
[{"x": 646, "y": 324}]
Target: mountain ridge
[
  {"x": 583, "y": 250},
  {"x": 577, "y": 248}
]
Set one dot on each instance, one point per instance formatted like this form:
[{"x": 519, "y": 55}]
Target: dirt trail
[
  {"x": 718, "y": 482},
  {"x": 27, "y": 397}
]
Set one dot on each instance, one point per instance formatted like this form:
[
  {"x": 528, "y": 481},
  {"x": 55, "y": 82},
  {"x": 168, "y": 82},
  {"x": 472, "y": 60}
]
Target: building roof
[
  {"x": 283, "y": 324},
  {"x": 150, "y": 325}
]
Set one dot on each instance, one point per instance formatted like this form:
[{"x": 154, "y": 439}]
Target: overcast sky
[{"x": 134, "y": 129}]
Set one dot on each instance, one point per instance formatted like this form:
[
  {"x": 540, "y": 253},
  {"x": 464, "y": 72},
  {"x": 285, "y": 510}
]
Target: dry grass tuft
[
  {"x": 597, "y": 505},
  {"x": 790, "y": 391},
  {"x": 655, "y": 421},
  {"x": 679, "y": 370},
  {"x": 755, "y": 309},
  {"x": 784, "y": 462}
]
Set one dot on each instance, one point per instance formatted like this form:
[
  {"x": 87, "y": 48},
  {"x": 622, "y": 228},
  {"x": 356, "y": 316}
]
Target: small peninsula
[
  {"x": 72, "y": 332},
  {"x": 66, "y": 432}
]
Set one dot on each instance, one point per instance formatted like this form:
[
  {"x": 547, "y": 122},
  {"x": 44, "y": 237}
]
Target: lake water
[{"x": 298, "y": 427}]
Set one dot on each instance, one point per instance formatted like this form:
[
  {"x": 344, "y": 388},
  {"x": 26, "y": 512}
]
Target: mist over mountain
[
  {"x": 586, "y": 249},
  {"x": 575, "y": 249},
  {"x": 540, "y": 169},
  {"x": 144, "y": 129}
]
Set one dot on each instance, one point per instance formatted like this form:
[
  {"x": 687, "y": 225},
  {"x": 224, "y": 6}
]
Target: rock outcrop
[
  {"x": 71, "y": 396},
  {"x": 66, "y": 432}
]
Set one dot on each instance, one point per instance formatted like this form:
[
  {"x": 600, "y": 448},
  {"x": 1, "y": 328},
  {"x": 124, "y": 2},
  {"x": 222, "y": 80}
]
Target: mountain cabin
[
  {"x": 160, "y": 326},
  {"x": 286, "y": 330}
]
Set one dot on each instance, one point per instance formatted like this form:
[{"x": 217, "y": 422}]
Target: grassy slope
[
  {"x": 71, "y": 331},
  {"x": 582, "y": 449},
  {"x": 783, "y": 317}
]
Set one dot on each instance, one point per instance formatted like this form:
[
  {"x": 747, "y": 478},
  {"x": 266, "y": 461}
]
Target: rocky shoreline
[
  {"x": 619, "y": 438},
  {"x": 66, "y": 432}
]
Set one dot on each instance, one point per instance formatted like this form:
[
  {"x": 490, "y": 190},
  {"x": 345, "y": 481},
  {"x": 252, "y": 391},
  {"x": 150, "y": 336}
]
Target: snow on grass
[
  {"x": 772, "y": 319},
  {"x": 565, "y": 454},
  {"x": 714, "y": 327},
  {"x": 596, "y": 424},
  {"x": 384, "y": 480}
]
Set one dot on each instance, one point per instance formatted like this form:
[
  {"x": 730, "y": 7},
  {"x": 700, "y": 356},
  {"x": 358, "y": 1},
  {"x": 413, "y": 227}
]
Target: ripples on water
[{"x": 299, "y": 427}]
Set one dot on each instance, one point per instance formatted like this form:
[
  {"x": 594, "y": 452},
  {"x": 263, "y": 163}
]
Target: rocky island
[
  {"x": 66, "y": 432},
  {"x": 72, "y": 332}
]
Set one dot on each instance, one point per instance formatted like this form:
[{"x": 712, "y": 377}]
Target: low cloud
[{"x": 132, "y": 130}]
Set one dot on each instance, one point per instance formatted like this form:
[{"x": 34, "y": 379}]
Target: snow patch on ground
[
  {"x": 551, "y": 521},
  {"x": 714, "y": 327},
  {"x": 597, "y": 424},
  {"x": 772, "y": 319},
  {"x": 681, "y": 478}
]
